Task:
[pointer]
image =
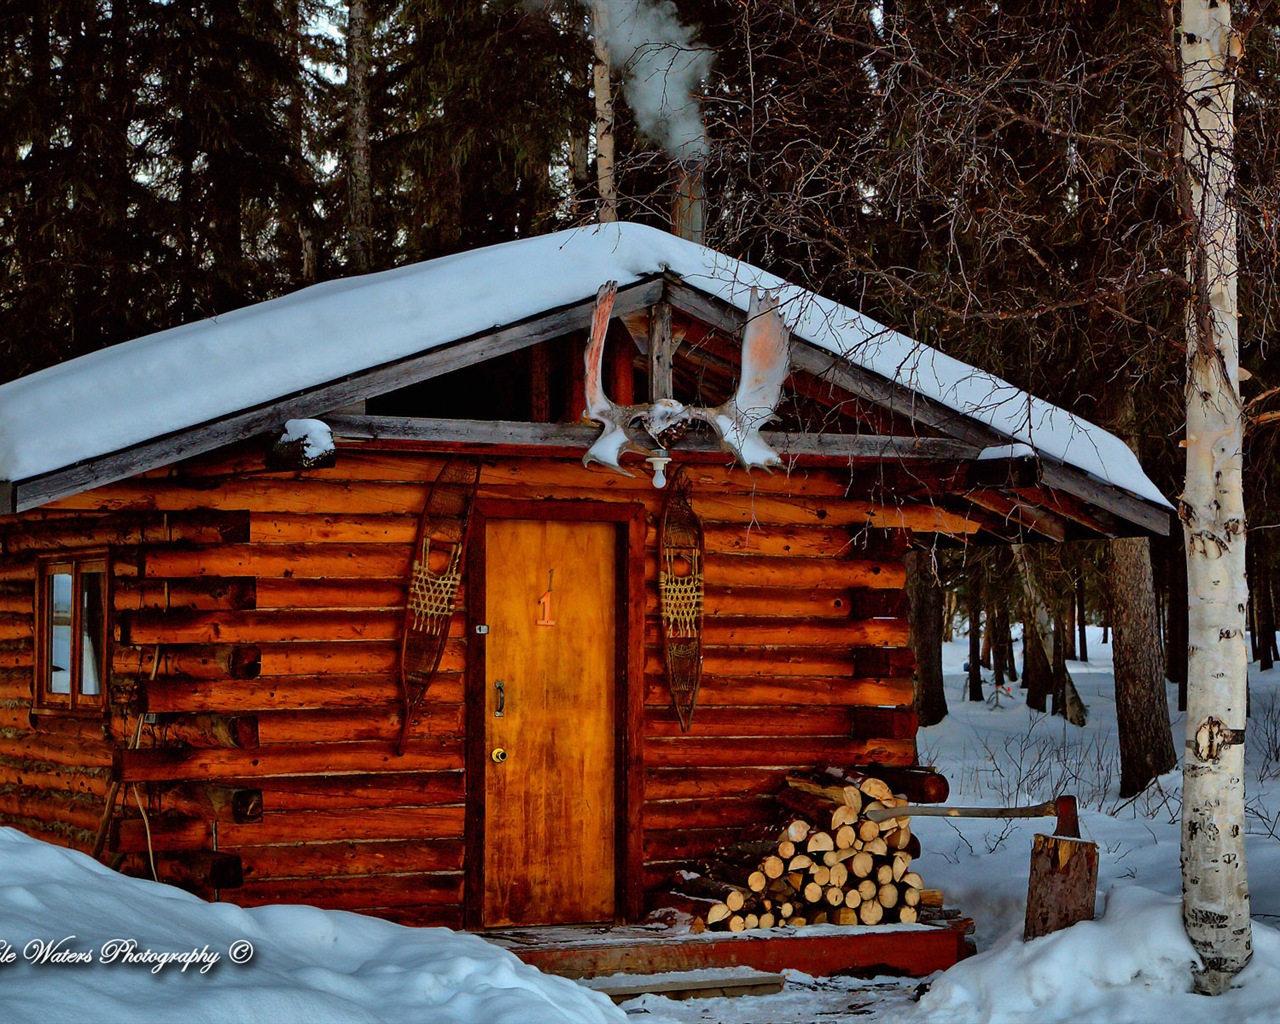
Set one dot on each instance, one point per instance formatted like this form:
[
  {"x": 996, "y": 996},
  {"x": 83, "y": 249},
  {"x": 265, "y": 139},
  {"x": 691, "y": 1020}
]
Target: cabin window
[{"x": 71, "y": 654}]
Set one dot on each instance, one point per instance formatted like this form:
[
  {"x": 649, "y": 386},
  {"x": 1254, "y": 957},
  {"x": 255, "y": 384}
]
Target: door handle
[
  {"x": 499, "y": 755},
  {"x": 502, "y": 698}
]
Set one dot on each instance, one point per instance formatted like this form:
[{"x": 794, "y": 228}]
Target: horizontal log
[
  {"x": 209, "y": 730},
  {"x": 89, "y": 531},
  {"x": 708, "y": 813},
  {"x": 786, "y": 752},
  {"x": 772, "y": 510},
  {"x": 198, "y": 661},
  {"x": 379, "y": 789},
  {"x": 681, "y": 845},
  {"x": 335, "y": 859},
  {"x": 445, "y": 916},
  {"x": 260, "y": 627},
  {"x": 14, "y": 626},
  {"x": 262, "y": 494},
  {"x": 331, "y": 528},
  {"x": 157, "y": 765},
  {"x": 209, "y": 593},
  {"x": 786, "y": 689},
  {"x": 200, "y": 869},
  {"x": 41, "y": 775},
  {"x": 54, "y": 749},
  {"x": 355, "y": 657},
  {"x": 78, "y": 810},
  {"x": 709, "y": 783},
  {"x": 293, "y": 560},
  {"x": 282, "y": 693},
  {"x": 19, "y": 599},
  {"x": 802, "y": 573},
  {"x": 759, "y": 631},
  {"x": 433, "y": 720},
  {"x": 368, "y": 824},
  {"x": 365, "y": 592},
  {"x": 782, "y": 603},
  {"x": 161, "y": 832},
  {"x": 237, "y": 804},
  {"x": 761, "y": 721},
  {"x": 17, "y": 654},
  {"x": 356, "y": 893},
  {"x": 818, "y": 540},
  {"x": 739, "y": 662}
]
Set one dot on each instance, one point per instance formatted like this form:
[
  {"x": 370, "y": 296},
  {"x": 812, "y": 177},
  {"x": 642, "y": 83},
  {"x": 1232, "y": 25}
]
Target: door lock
[{"x": 498, "y": 756}]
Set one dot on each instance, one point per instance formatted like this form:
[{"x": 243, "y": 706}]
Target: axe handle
[{"x": 1047, "y": 809}]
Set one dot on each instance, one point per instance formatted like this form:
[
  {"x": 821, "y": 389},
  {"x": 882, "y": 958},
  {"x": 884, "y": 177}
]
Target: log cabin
[{"x": 205, "y": 633}]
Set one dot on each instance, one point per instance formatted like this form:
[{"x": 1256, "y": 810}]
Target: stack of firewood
[{"x": 826, "y": 862}]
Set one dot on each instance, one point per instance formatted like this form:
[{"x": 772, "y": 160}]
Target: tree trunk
[
  {"x": 359, "y": 175},
  {"x": 924, "y": 604},
  {"x": 1264, "y": 601},
  {"x": 975, "y": 639},
  {"x": 1081, "y": 622},
  {"x": 1037, "y": 672},
  {"x": 604, "y": 113},
  {"x": 1142, "y": 701},
  {"x": 1038, "y": 631},
  {"x": 1175, "y": 657},
  {"x": 1069, "y": 632},
  {"x": 1215, "y": 901}
]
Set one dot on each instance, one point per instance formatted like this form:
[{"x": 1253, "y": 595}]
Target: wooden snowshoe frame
[
  {"x": 434, "y": 577},
  {"x": 681, "y": 586}
]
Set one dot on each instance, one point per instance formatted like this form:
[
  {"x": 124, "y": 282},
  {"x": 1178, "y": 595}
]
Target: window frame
[{"x": 74, "y": 702}]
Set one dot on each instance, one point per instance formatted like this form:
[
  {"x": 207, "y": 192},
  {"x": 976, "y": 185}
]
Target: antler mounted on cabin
[{"x": 766, "y": 359}]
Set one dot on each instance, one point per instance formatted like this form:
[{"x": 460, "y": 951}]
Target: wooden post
[{"x": 661, "y": 353}]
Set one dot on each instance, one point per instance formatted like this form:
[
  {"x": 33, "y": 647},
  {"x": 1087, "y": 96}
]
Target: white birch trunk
[
  {"x": 604, "y": 113},
  {"x": 1214, "y": 879}
]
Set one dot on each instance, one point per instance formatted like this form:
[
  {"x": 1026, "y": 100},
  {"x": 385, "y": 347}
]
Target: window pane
[
  {"x": 59, "y": 598},
  {"x": 92, "y": 617}
]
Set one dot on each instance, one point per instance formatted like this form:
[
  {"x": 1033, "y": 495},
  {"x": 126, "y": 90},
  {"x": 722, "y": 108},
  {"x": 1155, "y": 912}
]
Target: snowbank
[
  {"x": 1134, "y": 964},
  {"x": 300, "y": 963}
]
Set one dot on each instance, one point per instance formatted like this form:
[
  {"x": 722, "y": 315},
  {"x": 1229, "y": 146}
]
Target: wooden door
[{"x": 549, "y": 807}]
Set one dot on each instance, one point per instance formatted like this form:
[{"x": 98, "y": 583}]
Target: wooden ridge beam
[{"x": 574, "y": 438}]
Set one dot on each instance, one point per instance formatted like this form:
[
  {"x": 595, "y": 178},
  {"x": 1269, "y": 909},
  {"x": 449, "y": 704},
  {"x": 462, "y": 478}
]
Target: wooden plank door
[{"x": 549, "y": 807}]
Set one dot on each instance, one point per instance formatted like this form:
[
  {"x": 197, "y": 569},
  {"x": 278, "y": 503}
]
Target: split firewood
[
  {"x": 845, "y": 837},
  {"x": 819, "y": 918},
  {"x": 818, "y": 810},
  {"x": 745, "y": 849},
  {"x": 751, "y": 878},
  {"x": 822, "y": 784},
  {"x": 861, "y": 864},
  {"x": 750, "y": 921},
  {"x": 785, "y": 910},
  {"x": 821, "y": 874},
  {"x": 795, "y": 879},
  {"x": 884, "y": 874},
  {"x": 910, "y": 896},
  {"x": 773, "y": 866},
  {"x": 838, "y": 874},
  {"x": 867, "y": 889},
  {"x": 887, "y": 895},
  {"x": 877, "y": 847},
  {"x": 928, "y": 897},
  {"x": 800, "y": 862},
  {"x": 844, "y": 916},
  {"x": 733, "y": 896},
  {"x": 870, "y": 912},
  {"x": 852, "y": 898},
  {"x": 835, "y": 896},
  {"x": 868, "y": 830},
  {"x": 908, "y": 915},
  {"x": 698, "y": 907},
  {"x": 812, "y": 892},
  {"x": 912, "y": 879},
  {"x": 901, "y": 861},
  {"x": 736, "y": 923},
  {"x": 767, "y": 920},
  {"x": 900, "y": 837},
  {"x": 786, "y": 849},
  {"x": 920, "y": 785},
  {"x": 820, "y": 842}
]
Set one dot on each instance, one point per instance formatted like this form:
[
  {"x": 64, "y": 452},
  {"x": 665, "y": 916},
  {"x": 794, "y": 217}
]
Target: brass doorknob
[{"x": 499, "y": 755}]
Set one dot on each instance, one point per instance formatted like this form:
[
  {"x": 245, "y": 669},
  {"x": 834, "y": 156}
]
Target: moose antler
[{"x": 766, "y": 347}]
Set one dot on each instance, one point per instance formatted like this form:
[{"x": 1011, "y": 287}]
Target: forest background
[{"x": 999, "y": 180}]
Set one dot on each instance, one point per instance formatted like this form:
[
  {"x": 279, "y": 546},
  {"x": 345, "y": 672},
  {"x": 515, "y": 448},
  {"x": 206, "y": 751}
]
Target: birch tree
[{"x": 1214, "y": 877}]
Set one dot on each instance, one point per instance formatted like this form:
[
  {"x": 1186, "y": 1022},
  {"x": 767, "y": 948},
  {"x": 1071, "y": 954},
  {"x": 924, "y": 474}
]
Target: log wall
[{"x": 256, "y": 631}]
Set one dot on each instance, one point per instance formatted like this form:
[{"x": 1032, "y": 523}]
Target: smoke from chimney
[{"x": 662, "y": 63}]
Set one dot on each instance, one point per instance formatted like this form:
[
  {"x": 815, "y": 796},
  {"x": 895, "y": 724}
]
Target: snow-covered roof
[{"x": 202, "y": 372}]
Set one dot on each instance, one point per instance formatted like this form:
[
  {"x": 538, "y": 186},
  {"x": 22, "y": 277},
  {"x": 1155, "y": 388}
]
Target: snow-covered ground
[{"x": 1131, "y": 965}]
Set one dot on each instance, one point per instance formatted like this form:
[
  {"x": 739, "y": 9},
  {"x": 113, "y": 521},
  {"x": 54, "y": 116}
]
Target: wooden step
[{"x": 706, "y": 984}]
